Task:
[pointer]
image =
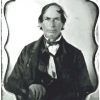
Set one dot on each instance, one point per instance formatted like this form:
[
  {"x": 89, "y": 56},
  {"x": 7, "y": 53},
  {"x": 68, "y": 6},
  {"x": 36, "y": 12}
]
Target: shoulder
[
  {"x": 71, "y": 49},
  {"x": 33, "y": 45},
  {"x": 28, "y": 48},
  {"x": 30, "y": 45}
]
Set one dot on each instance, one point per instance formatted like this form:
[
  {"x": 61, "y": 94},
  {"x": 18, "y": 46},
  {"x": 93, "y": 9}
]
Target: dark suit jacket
[{"x": 73, "y": 81}]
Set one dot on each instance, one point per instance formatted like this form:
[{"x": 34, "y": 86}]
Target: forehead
[{"x": 52, "y": 12}]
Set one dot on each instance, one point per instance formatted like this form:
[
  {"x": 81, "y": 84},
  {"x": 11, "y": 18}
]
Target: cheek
[
  {"x": 44, "y": 27},
  {"x": 60, "y": 27}
]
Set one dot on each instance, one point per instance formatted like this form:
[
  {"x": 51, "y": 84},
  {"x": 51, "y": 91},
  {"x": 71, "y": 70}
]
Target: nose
[{"x": 52, "y": 23}]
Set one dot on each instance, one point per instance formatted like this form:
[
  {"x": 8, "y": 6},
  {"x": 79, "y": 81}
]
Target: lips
[{"x": 51, "y": 30}]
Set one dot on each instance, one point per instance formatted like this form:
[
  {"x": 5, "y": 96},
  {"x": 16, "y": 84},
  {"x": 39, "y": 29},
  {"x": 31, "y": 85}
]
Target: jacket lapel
[
  {"x": 35, "y": 53},
  {"x": 62, "y": 53}
]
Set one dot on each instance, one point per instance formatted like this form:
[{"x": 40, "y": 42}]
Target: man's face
[{"x": 52, "y": 24}]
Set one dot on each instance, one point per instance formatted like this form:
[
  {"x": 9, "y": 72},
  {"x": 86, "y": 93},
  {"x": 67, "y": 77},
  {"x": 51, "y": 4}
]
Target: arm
[
  {"x": 15, "y": 83},
  {"x": 85, "y": 86},
  {"x": 20, "y": 82}
]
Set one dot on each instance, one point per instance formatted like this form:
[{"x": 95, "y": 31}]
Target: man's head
[{"x": 52, "y": 20}]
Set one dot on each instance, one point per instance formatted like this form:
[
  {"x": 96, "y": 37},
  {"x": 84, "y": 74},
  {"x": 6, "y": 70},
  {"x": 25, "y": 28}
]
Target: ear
[
  {"x": 40, "y": 25},
  {"x": 62, "y": 27}
]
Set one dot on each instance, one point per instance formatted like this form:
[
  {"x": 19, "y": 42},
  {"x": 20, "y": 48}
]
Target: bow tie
[{"x": 52, "y": 43}]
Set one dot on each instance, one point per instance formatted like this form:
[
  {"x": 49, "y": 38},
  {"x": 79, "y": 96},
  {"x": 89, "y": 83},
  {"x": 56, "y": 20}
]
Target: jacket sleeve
[
  {"x": 85, "y": 86},
  {"x": 15, "y": 81}
]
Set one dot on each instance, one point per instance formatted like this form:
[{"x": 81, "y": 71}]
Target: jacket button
[
  {"x": 27, "y": 65},
  {"x": 42, "y": 81}
]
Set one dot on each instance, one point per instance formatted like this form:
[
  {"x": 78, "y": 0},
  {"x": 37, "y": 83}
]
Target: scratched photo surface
[{"x": 20, "y": 27}]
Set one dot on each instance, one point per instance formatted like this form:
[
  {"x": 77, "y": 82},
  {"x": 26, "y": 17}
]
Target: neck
[{"x": 53, "y": 40}]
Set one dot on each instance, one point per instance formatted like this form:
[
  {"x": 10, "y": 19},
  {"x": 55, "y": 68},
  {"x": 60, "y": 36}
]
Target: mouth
[{"x": 51, "y": 31}]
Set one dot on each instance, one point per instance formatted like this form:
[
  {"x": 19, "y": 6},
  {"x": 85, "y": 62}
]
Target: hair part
[{"x": 61, "y": 11}]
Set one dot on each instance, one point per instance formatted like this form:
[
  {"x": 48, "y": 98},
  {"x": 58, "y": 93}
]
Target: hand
[{"x": 36, "y": 92}]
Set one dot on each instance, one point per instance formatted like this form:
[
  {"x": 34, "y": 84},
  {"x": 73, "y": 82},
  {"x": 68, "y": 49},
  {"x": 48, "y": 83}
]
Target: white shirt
[{"x": 51, "y": 66}]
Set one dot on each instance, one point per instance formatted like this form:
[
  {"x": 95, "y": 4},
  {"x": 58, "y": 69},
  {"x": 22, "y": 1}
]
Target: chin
[{"x": 52, "y": 37}]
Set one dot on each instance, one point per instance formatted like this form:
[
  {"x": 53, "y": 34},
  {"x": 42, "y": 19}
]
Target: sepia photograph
[{"x": 49, "y": 50}]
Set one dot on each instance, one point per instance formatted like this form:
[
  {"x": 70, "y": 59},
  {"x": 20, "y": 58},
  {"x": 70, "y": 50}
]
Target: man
[{"x": 50, "y": 68}]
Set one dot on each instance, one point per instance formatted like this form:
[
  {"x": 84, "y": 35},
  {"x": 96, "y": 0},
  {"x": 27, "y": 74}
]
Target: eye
[
  {"x": 57, "y": 19},
  {"x": 47, "y": 18}
]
